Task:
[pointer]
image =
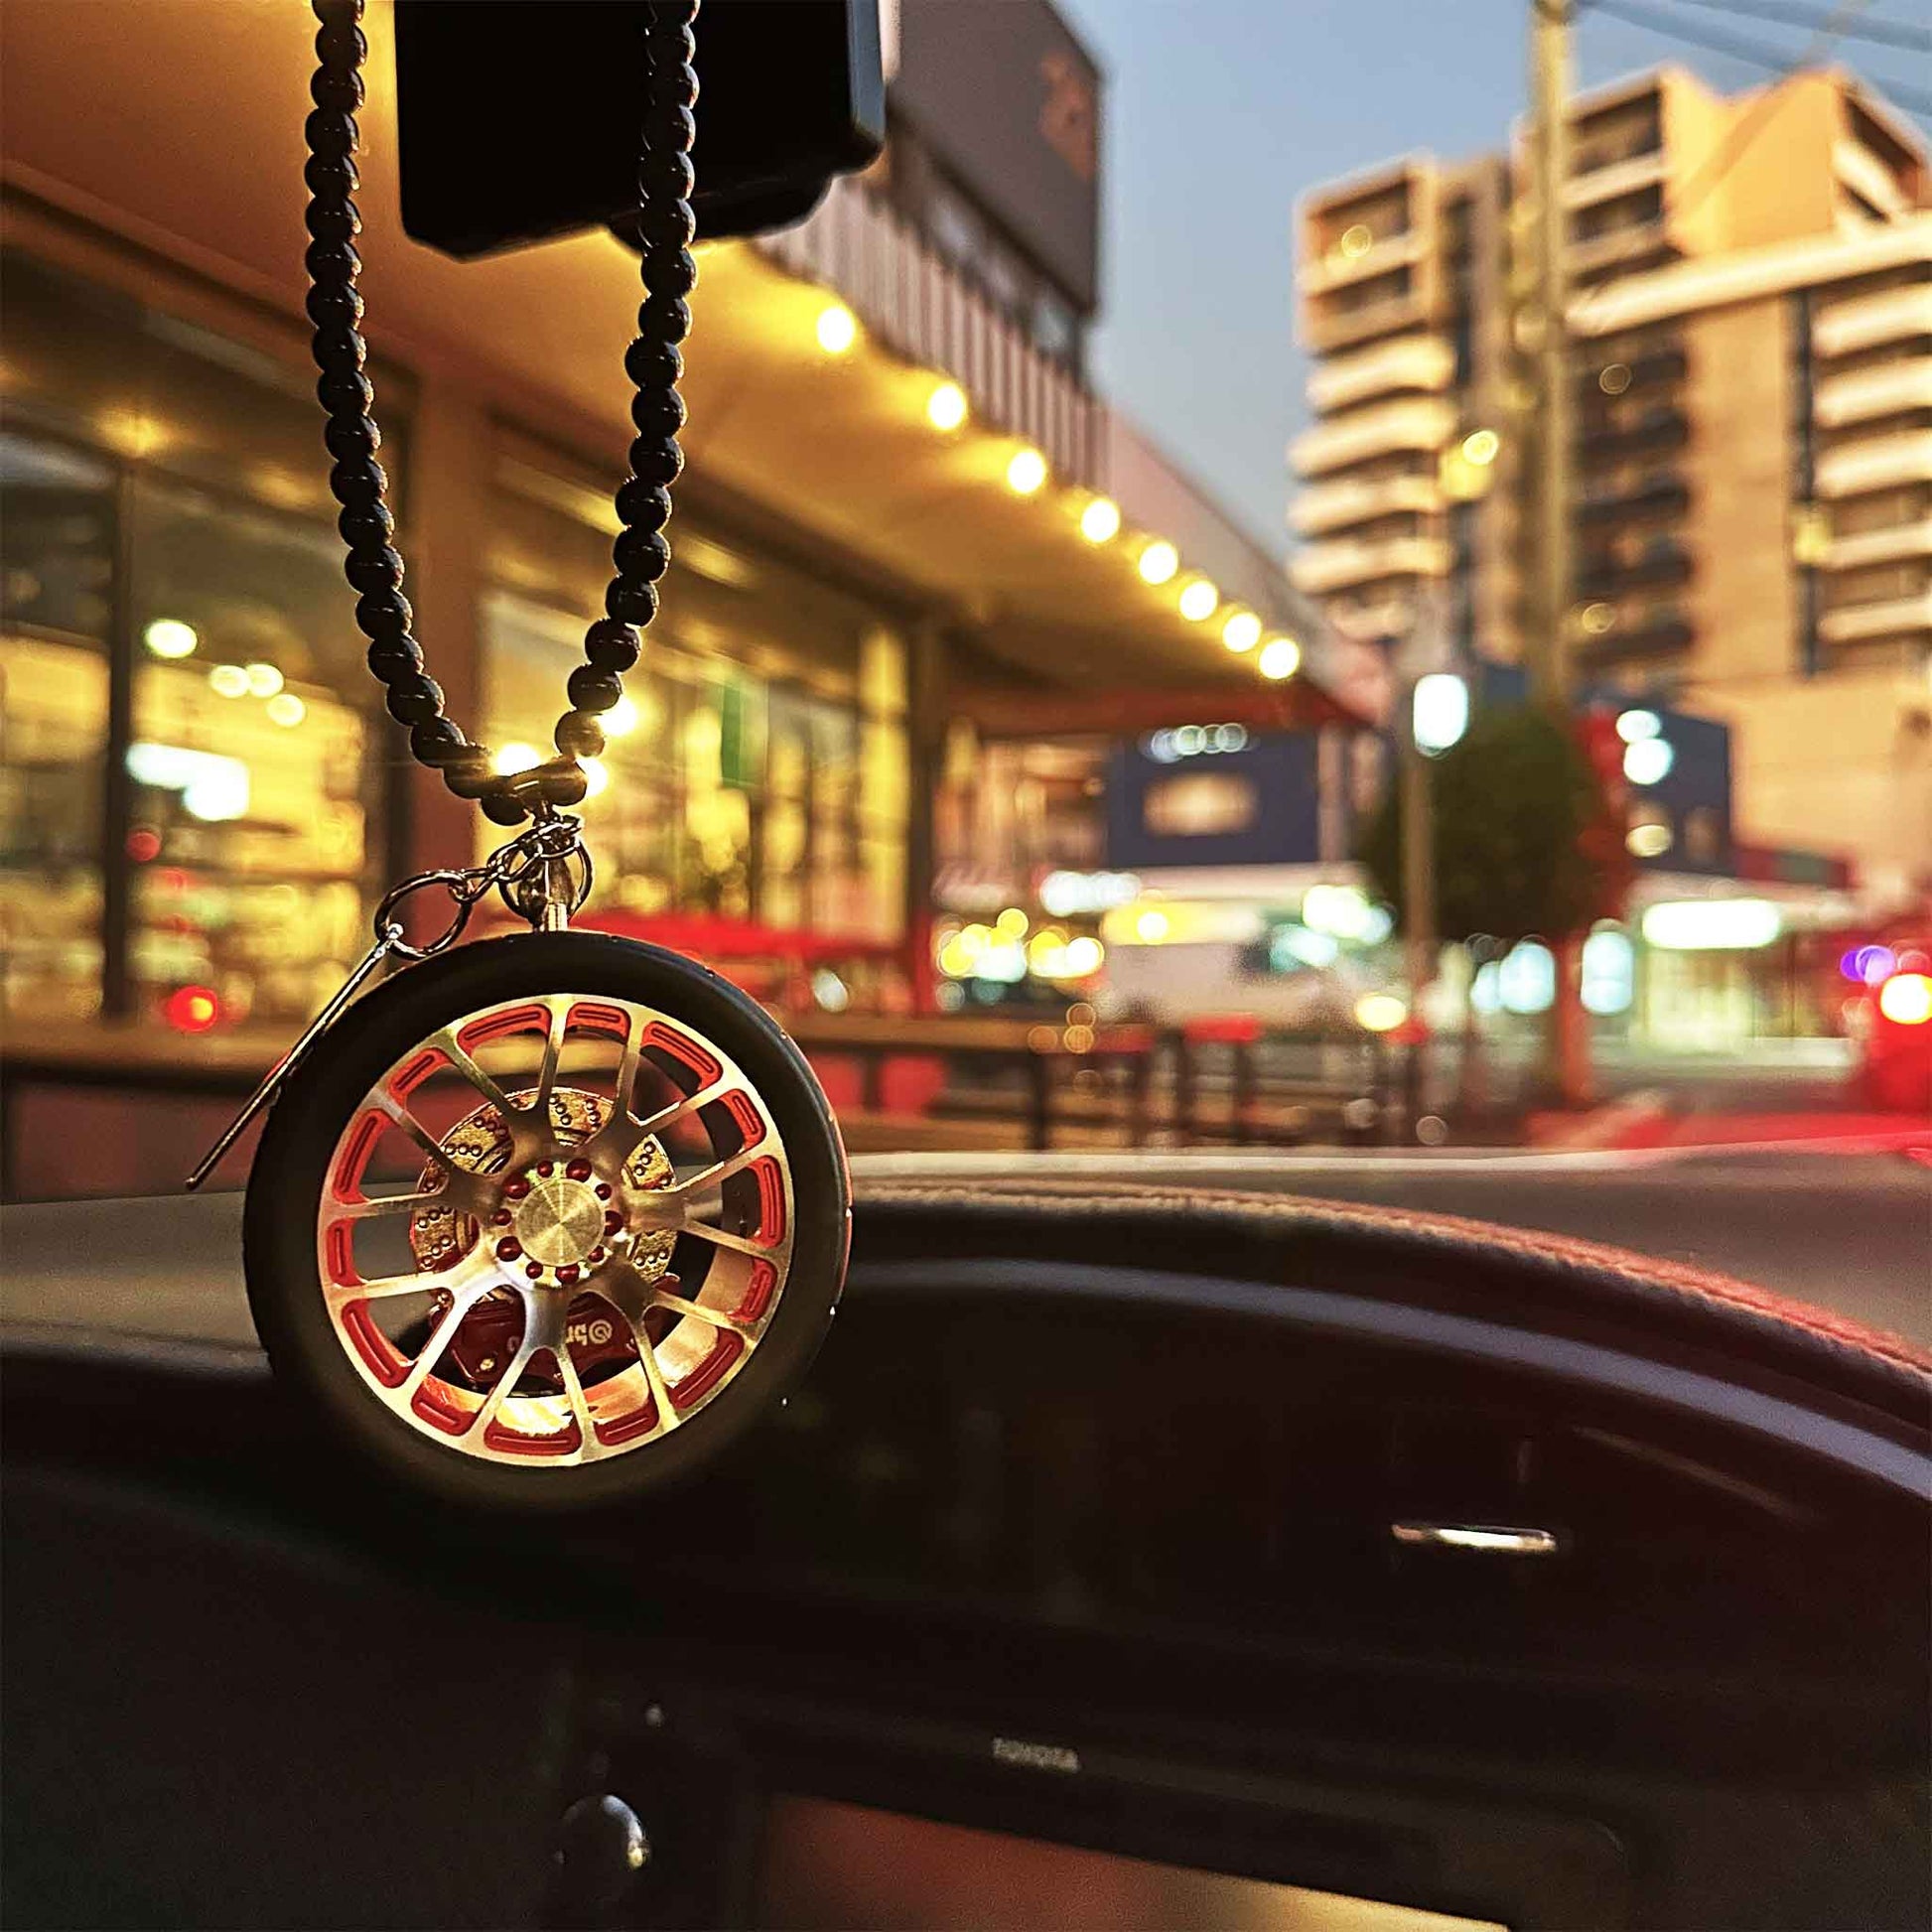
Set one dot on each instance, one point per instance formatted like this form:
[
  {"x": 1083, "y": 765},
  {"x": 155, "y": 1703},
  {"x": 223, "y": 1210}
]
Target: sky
[{"x": 1219, "y": 112}]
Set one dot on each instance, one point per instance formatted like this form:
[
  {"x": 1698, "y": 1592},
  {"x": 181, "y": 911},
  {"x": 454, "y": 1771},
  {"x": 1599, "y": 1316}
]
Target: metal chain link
[{"x": 641, "y": 553}]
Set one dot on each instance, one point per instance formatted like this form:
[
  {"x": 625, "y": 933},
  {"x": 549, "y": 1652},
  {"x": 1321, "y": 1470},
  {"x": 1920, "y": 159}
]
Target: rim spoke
[
  {"x": 741, "y": 1244},
  {"x": 677, "y": 1305},
  {"x": 475, "y": 1267},
  {"x": 440, "y": 1338},
  {"x": 717, "y": 1172},
  {"x": 459, "y": 1057},
  {"x": 505, "y": 1383},
  {"x": 553, "y": 1049},
  {"x": 589, "y": 1447},
  {"x": 378, "y": 1204}
]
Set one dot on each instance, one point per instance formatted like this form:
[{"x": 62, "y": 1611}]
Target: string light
[
  {"x": 1159, "y": 561},
  {"x": 1242, "y": 631},
  {"x": 1025, "y": 473},
  {"x": 838, "y": 329},
  {"x": 1100, "y": 520},
  {"x": 1280, "y": 658},
  {"x": 945, "y": 408},
  {"x": 1199, "y": 601},
  {"x": 170, "y": 638}
]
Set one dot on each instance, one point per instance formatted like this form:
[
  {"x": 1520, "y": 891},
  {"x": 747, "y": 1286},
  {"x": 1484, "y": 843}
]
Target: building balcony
[
  {"x": 1337, "y": 505},
  {"x": 1871, "y": 320},
  {"x": 1328, "y": 567},
  {"x": 1620, "y": 247},
  {"x": 1327, "y": 326},
  {"x": 1662, "y": 564},
  {"x": 1605, "y": 182},
  {"x": 1663, "y": 634},
  {"x": 1856, "y": 167},
  {"x": 920, "y": 306},
  {"x": 1896, "y": 544},
  {"x": 1415, "y": 423},
  {"x": 1656, "y": 431},
  {"x": 1886, "y": 390},
  {"x": 1410, "y": 362},
  {"x": 1877, "y": 463},
  {"x": 1891, "y": 617},
  {"x": 1662, "y": 495},
  {"x": 1336, "y": 269}
]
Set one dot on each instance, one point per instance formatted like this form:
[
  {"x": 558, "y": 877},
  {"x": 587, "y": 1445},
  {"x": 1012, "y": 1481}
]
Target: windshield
[{"x": 1321, "y": 598}]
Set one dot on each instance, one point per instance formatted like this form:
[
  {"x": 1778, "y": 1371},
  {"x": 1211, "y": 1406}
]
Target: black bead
[
  {"x": 346, "y": 392},
  {"x": 664, "y": 172},
  {"x": 391, "y": 658},
  {"x": 338, "y": 14},
  {"x": 471, "y": 775},
  {"x": 331, "y": 131},
  {"x": 437, "y": 742},
  {"x": 333, "y": 262},
  {"x": 501, "y": 809},
  {"x": 562, "y": 782},
  {"x": 664, "y": 319},
  {"x": 335, "y": 308},
  {"x": 672, "y": 47},
  {"x": 340, "y": 43},
  {"x": 667, "y": 225},
  {"x": 366, "y": 526},
  {"x": 336, "y": 86},
  {"x": 359, "y": 480},
  {"x": 332, "y": 176},
  {"x": 379, "y": 570},
  {"x": 612, "y": 646},
  {"x": 633, "y": 604},
  {"x": 652, "y": 365},
  {"x": 642, "y": 554},
  {"x": 579, "y": 736},
  {"x": 593, "y": 690},
  {"x": 339, "y": 351},
  {"x": 658, "y": 412},
  {"x": 415, "y": 700},
  {"x": 383, "y": 614},
  {"x": 332, "y": 219},
  {"x": 351, "y": 436},
  {"x": 656, "y": 460},
  {"x": 643, "y": 505},
  {"x": 669, "y": 271}
]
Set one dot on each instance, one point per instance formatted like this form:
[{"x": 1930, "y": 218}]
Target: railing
[{"x": 921, "y": 307}]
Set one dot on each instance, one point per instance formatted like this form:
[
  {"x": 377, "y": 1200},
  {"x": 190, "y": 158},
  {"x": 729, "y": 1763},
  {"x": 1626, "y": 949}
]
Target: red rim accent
[
  {"x": 771, "y": 1200},
  {"x": 686, "y": 1052},
  {"x": 739, "y": 1104},
  {"x": 374, "y": 1348},
  {"x": 724, "y": 1353},
  {"x": 757, "y": 1291},
  {"x": 353, "y": 1160},
  {"x": 500, "y": 1026}
]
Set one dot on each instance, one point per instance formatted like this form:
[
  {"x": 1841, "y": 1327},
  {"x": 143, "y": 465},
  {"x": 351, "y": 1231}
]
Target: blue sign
[{"x": 1213, "y": 795}]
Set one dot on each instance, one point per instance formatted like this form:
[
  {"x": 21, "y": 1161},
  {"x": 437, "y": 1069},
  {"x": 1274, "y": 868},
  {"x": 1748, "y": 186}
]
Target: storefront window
[
  {"x": 756, "y": 769},
  {"x": 176, "y": 619},
  {"x": 57, "y": 568}
]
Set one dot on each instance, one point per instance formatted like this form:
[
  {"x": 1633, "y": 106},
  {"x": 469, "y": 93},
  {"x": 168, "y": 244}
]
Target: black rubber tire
[{"x": 299, "y": 1139}]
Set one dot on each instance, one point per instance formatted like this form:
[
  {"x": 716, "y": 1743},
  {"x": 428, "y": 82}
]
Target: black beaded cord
[{"x": 654, "y": 362}]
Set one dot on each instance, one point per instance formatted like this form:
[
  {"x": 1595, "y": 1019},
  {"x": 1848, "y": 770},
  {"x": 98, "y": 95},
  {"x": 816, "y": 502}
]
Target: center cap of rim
[{"x": 557, "y": 1220}]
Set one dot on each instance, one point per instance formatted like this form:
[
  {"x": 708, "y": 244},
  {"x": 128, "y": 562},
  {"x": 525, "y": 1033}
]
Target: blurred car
[{"x": 1895, "y": 1029}]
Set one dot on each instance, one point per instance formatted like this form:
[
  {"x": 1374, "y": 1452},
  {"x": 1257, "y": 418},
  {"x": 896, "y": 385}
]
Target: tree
[{"x": 1525, "y": 839}]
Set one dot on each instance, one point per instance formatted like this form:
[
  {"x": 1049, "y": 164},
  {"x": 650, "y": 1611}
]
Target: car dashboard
[{"x": 1121, "y": 1561}]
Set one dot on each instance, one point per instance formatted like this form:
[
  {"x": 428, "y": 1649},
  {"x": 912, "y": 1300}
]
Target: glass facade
[
  {"x": 757, "y": 771},
  {"x": 188, "y": 774}
]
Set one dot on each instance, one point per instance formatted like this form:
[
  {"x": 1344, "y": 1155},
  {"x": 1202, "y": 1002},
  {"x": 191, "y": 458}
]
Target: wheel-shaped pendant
[{"x": 547, "y": 1220}]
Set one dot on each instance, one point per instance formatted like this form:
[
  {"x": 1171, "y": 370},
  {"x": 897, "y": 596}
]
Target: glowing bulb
[
  {"x": 1025, "y": 473},
  {"x": 1356, "y": 241},
  {"x": 170, "y": 638},
  {"x": 1199, "y": 601},
  {"x": 513, "y": 758},
  {"x": 1159, "y": 561},
  {"x": 228, "y": 682},
  {"x": 596, "y": 777},
  {"x": 1242, "y": 631},
  {"x": 620, "y": 719},
  {"x": 1280, "y": 658},
  {"x": 1100, "y": 520},
  {"x": 1648, "y": 760},
  {"x": 945, "y": 408},
  {"x": 1634, "y": 724},
  {"x": 264, "y": 680},
  {"x": 1380, "y": 1013},
  {"x": 286, "y": 709},
  {"x": 1152, "y": 927},
  {"x": 838, "y": 329},
  {"x": 1906, "y": 1000},
  {"x": 1013, "y": 923},
  {"x": 1480, "y": 447}
]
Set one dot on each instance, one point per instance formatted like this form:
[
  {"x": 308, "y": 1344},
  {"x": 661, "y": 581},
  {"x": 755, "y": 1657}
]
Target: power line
[
  {"x": 1881, "y": 32},
  {"x": 1755, "y": 53}
]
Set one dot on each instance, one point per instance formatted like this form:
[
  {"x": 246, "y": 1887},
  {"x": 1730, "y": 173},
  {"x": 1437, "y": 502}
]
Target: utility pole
[
  {"x": 1548, "y": 476},
  {"x": 1418, "y": 940}
]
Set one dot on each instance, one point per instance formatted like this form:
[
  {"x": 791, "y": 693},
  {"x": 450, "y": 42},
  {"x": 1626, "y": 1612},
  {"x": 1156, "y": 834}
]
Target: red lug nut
[
  {"x": 578, "y": 1170},
  {"x": 535, "y": 1271},
  {"x": 500, "y": 1219},
  {"x": 596, "y": 1255},
  {"x": 544, "y": 1167},
  {"x": 516, "y": 1186},
  {"x": 603, "y": 1190},
  {"x": 508, "y": 1248},
  {"x": 612, "y": 1220},
  {"x": 568, "y": 1272}
]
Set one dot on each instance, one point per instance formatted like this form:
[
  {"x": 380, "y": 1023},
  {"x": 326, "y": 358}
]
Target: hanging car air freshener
[{"x": 554, "y": 1216}]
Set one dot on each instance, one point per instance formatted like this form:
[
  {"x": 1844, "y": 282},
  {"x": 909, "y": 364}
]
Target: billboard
[
  {"x": 1213, "y": 795},
  {"x": 1010, "y": 101}
]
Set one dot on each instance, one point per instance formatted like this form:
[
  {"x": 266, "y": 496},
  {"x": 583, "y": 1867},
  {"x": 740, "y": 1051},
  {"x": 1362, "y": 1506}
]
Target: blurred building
[
  {"x": 1751, "y": 318},
  {"x": 908, "y": 523}
]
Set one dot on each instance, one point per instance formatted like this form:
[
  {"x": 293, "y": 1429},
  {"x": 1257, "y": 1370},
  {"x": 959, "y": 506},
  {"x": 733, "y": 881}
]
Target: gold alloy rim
[{"x": 590, "y": 1253}]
